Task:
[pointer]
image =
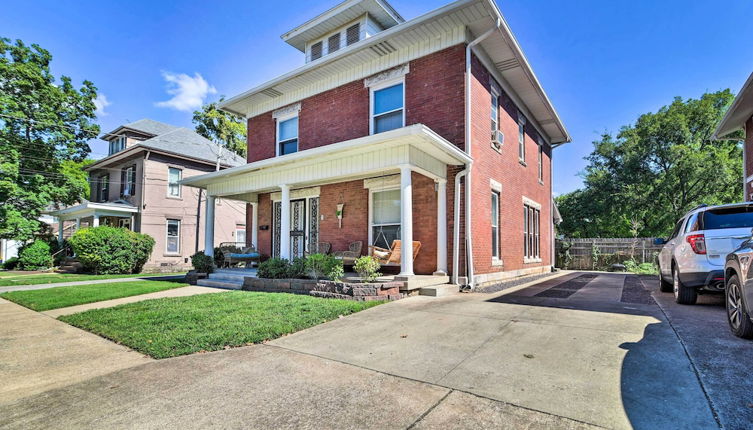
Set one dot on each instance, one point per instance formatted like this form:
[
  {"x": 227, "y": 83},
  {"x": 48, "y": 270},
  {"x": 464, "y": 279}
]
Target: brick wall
[{"x": 749, "y": 158}]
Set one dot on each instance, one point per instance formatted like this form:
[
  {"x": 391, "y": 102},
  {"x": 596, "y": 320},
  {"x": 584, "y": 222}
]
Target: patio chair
[
  {"x": 391, "y": 257},
  {"x": 238, "y": 252},
  {"x": 320, "y": 248},
  {"x": 353, "y": 252}
]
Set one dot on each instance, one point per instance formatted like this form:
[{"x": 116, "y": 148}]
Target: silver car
[{"x": 692, "y": 258}]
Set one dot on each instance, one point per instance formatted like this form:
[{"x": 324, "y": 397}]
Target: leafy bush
[
  {"x": 202, "y": 262},
  {"x": 320, "y": 266},
  {"x": 297, "y": 268},
  {"x": 274, "y": 268},
  {"x": 219, "y": 257},
  {"x": 111, "y": 250},
  {"x": 11, "y": 263},
  {"x": 367, "y": 268},
  {"x": 642, "y": 268},
  {"x": 36, "y": 256}
]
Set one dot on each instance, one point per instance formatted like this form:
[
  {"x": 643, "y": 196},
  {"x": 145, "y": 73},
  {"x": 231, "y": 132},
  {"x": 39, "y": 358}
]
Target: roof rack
[{"x": 702, "y": 205}]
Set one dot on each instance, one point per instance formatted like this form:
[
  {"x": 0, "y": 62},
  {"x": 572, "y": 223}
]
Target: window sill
[
  {"x": 171, "y": 254},
  {"x": 496, "y": 262},
  {"x": 174, "y": 198},
  {"x": 522, "y": 163},
  {"x": 531, "y": 260},
  {"x": 495, "y": 147}
]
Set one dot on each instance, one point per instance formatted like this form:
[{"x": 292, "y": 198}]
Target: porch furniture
[
  {"x": 391, "y": 257},
  {"x": 320, "y": 248},
  {"x": 353, "y": 252},
  {"x": 238, "y": 252}
]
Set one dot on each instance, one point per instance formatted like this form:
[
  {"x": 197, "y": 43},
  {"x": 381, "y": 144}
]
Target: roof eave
[{"x": 744, "y": 100}]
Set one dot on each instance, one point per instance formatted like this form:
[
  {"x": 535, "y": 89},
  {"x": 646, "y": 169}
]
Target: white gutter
[{"x": 468, "y": 170}]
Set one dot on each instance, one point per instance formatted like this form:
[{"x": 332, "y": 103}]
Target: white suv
[{"x": 692, "y": 259}]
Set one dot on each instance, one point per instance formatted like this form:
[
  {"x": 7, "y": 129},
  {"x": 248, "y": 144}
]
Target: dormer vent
[
  {"x": 333, "y": 43},
  {"x": 353, "y": 33},
  {"x": 316, "y": 51}
]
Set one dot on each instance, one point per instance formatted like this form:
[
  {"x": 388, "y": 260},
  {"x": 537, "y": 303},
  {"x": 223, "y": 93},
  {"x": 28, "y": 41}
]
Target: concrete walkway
[
  {"x": 95, "y": 281},
  {"x": 175, "y": 292}
]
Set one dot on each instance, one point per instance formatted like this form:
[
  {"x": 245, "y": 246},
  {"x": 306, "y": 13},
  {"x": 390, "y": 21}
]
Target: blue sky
[{"x": 602, "y": 63}]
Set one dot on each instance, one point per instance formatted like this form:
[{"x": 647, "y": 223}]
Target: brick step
[
  {"x": 220, "y": 284},
  {"x": 229, "y": 277},
  {"x": 440, "y": 290}
]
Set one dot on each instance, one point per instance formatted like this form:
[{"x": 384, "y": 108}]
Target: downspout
[
  {"x": 455, "y": 225},
  {"x": 468, "y": 146},
  {"x": 745, "y": 175},
  {"x": 143, "y": 191},
  {"x": 551, "y": 210}
]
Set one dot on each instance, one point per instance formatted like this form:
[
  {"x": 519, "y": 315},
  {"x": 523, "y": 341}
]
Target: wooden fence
[{"x": 606, "y": 251}]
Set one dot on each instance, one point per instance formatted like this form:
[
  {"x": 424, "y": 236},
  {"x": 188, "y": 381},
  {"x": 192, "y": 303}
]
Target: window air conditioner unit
[{"x": 498, "y": 138}]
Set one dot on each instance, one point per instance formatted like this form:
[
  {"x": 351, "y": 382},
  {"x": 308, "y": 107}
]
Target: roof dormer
[{"x": 342, "y": 26}]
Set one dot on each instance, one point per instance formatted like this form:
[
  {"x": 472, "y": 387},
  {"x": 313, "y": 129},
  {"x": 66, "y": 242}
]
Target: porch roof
[
  {"x": 87, "y": 208},
  {"x": 417, "y": 146}
]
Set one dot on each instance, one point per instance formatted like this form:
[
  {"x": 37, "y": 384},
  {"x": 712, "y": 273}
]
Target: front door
[
  {"x": 304, "y": 226},
  {"x": 297, "y": 228}
]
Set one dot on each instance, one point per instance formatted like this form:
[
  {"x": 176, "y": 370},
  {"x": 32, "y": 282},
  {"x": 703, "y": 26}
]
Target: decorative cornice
[
  {"x": 382, "y": 182},
  {"x": 287, "y": 110},
  {"x": 387, "y": 75}
]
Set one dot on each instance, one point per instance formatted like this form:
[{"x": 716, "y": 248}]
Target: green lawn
[
  {"x": 62, "y": 297},
  {"x": 170, "y": 327},
  {"x": 51, "y": 278}
]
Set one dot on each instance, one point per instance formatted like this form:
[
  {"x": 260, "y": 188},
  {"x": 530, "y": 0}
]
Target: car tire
[
  {"x": 664, "y": 286},
  {"x": 738, "y": 319},
  {"x": 683, "y": 295}
]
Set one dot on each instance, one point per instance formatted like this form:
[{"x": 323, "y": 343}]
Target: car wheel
[
  {"x": 664, "y": 286},
  {"x": 683, "y": 295},
  {"x": 738, "y": 318}
]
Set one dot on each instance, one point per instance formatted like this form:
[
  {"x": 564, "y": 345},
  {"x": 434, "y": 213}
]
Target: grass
[
  {"x": 51, "y": 278},
  {"x": 62, "y": 297},
  {"x": 171, "y": 327}
]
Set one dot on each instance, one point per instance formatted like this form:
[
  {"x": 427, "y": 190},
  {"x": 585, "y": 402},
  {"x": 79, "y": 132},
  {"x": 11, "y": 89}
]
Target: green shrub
[
  {"x": 111, "y": 250},
  {"x": 219, "y": 257},
  {"x": 642, "y": 268},
  {"x": 11, "y": 263},
  {"x": 367, "y": 268},
  {"x": 297, "y": 268},
  {"x": 320, "y": 266},
  {"x": 37, "y": 256},
  {"x": 274, "y": 268},
  {"x": 202, "y": 263}
]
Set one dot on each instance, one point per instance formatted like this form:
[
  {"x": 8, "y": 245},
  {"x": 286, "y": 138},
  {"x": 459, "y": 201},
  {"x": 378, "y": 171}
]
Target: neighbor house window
[
  {"x": 521, "y": 137},
  {"x": 333, "y": 43},
  {"x": 531, "y": 246},
  {"x": 128, "y": 181},
  {"x": 352, "y": 34},
  {"x": 316, "y": 51},
  {"x": 387, "y": 108},
  {"x": 174, "y": 175},
  {"x": 173, "y": 236},
  {"x": 118, "y": 144},
  {"x": 287, "y": 136},
  {"x": 240, "y": 233},
  {"x": 385, "y": 217},
  {"x": 495, "y": 225},
  {"x": 541, "y": 160},
  {"x": 124, "y": 223},
  {"x": 104, "y": 188}
]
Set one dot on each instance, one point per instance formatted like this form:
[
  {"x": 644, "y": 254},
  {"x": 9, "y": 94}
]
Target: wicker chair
[
  {"x": 391, "y": 257},
  {"x": 353, "y": 252},
  {"x": 320, "y": 248},
  {"x": 238, "y": 252}
]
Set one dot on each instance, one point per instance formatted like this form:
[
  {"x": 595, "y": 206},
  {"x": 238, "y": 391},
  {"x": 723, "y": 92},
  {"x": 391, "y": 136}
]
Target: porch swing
[{"x": 391, "y": 256}]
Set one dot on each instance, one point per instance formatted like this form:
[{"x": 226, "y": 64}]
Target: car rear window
[{"x": 737, "y": 217}]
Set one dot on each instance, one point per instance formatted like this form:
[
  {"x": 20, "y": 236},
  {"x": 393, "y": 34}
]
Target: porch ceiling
[{"x": 416, "y": 146}]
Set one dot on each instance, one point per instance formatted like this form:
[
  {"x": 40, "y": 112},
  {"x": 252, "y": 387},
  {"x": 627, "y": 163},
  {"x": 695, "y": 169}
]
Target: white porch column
[
  {"x": 406, "y": 221},
  {"x": 95, "y": 220},
  {"x": 78, "y": 223},
  {"x": 255, "y": 224},
  {"x": 441, "y": 227},
  {"x": 209, "y": 227},
  {"x": 285, "y": 222},
  {"x": 61, "y": 223}
]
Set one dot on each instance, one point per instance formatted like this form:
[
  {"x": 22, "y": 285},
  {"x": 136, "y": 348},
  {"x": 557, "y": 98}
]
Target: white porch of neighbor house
[
  {"x": 415, "y": 148},
  {"x": 95, "y": 214}
]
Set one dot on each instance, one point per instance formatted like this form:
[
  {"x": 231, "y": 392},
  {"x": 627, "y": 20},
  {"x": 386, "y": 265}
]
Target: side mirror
[{"x": 660, "y": 241}]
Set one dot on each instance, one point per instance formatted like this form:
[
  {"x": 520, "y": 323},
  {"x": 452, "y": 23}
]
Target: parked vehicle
[
  {"x": 693, "y": 257},
  {"x": 738, "y": 291}
]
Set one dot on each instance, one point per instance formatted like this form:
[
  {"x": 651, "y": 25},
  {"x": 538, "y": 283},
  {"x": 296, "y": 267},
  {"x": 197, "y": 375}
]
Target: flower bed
[{"x": 357, "y": 291}]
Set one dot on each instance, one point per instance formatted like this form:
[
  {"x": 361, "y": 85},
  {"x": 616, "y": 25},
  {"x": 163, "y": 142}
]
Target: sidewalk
[{"x": 95, "y": 281}]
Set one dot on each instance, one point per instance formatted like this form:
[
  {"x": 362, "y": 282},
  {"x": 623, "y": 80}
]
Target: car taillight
[{"x": 697, "y": 242}]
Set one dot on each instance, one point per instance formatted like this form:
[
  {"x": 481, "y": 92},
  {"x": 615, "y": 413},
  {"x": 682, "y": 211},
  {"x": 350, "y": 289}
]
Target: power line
[{"x": 49, "y": 124}]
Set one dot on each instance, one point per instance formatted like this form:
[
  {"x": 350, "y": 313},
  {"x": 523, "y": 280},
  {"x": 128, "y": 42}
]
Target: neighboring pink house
[
  {"x": 739, "y": 116},
  {"x": 137, "y": 187},
  {"x": 433, "y": 130}
]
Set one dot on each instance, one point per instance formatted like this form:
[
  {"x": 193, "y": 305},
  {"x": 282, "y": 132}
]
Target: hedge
[{"x": 110, "y": 250}]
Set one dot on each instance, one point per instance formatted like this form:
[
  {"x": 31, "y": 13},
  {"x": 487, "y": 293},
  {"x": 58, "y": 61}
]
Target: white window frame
[
  {"x": 380, "y": 86},
  {"x": 243, "y": 230},
  {"x": 119, "y": 142},
  {"x": 280, "y": 120},
  {"x": 167, "y": 236},
  {"x": 103, "y": 197},
  {"x": 180, "y": 187},
  {"x": 129, "y": 188},
  {"x": 521, "y": 138},
  {"x": 531, "y": 250},
  {"x": 373, "y": 190},
  {"x": 496, "y": 251},
  {"x": 343, "y": 32},
  {"x": 541, "y": 160}
]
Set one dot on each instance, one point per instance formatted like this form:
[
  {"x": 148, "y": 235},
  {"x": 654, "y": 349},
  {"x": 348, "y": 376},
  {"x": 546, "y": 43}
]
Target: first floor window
[
  {"x": 174, "y": 175},
  {"x": 124, "y": 223},
  {"x": 495, "y": 224},
  {"x": 240, "y": 234},
  {"x": 385, "y": 217},
  {"x": 287, "y": 136},
  {"x": 128, "y": 181},
  {"x": 104, "y": 188},
  {"x": 173, "y": 236},
  {"x": 531, "y": 242},
  {"x": 387, "y": 109}
]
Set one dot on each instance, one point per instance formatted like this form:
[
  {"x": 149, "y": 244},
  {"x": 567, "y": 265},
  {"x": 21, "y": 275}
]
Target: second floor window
[
  {"x": 287, "y": 136},
  {"x": 541, "y": 159},
  {"x": 387, "y": 109},
  {"x": 104, "y": 188},
  {"x": 495, "y": 113},
  {"x": 116, "y": 145},
  {"x": 128, "y": 181},
  {"x": 521, "y": 137},
  {"x": 174, "y": 175}
]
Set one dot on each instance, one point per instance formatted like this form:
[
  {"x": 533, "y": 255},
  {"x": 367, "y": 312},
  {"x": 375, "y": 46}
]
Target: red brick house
[
  {"x": 740, "y": 117},
  {"x": 423, "y": 130}
]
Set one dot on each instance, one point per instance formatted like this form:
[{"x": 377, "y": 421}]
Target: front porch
[
  {"x": 92, "y": 214},
  {"x": 374, "y": 190}
]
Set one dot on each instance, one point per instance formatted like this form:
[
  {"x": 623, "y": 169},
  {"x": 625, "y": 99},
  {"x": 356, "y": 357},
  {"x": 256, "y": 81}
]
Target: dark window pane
[
  {"x": 388, "y": 121},
  {"x": 738, "y": 217},
  {"x": 333, "y": 43},
  {"x": 382, "y": 236},
  {"x": 316, "y": 51},
  {"x": 353, "y": 33},
  {"x": 289, "y": 147}
]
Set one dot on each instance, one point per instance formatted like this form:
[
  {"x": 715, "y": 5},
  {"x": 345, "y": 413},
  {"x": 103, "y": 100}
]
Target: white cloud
[
  {"x": 188, "y": 92},
  {"x": 101, "y": 103}
]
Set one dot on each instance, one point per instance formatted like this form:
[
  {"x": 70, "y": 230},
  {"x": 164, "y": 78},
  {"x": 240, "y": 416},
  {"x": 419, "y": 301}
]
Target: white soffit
[{"x": 739, "y": 112}]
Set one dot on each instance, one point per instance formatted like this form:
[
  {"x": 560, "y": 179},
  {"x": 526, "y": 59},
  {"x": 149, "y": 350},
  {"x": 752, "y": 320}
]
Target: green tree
[
  {"x": 220, "y": 126},
  {"x": 44, "y": 129},
  {"x": 642, "y": 180}
]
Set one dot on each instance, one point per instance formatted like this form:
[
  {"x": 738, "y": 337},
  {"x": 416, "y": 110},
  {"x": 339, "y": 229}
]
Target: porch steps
[
  {"x": 226, "y": 285},
  {"x": 440, "y": 290},
  {"x": 229, "y": 279},
  {"x": 416, "y": 282}
]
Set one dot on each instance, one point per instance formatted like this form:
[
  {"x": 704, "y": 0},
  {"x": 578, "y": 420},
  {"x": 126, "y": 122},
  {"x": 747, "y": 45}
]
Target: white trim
[
  {"x": 393, "y": 74},
  {"x": 301, "y": 193},
  {"x": 287, "y": 112},
  {"x": 380, "y": 86},
  {"x": 287, "y": 117},
  {"x": 531, "y": 203},
  {"x": 167, "y": 236},
  {"x": 371, "y": 208},
  {"x": 498, "y": 251},
  {"x": 180, "y": 186},
  {"x": 382, "y": 183},
  {"x": 495, "y": 186},
  {"x": 749, "y": 179}
]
